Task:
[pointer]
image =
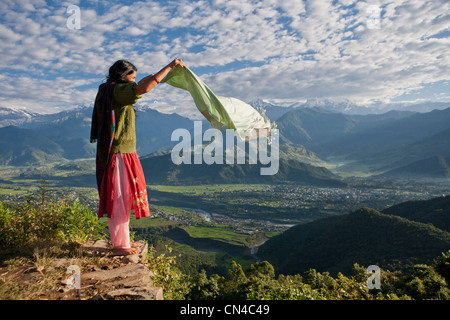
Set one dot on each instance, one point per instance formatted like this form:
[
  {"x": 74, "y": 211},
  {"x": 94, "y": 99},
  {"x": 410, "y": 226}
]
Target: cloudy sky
[{"x": 54, "y": 57}]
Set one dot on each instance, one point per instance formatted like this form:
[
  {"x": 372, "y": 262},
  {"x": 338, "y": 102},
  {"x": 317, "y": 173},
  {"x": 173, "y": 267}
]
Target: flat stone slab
[
  {"x": 139, "y": 293},
  {"x": 127, "y": 275},
  {"x": 96, "y": 247},
  {"x": 104, "y": 247},
  {"x": 126, "y": 278}
]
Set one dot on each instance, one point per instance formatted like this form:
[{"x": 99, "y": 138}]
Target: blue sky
[{"x": 282, "y": 51}]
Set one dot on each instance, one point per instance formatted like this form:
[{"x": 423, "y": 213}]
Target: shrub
[
  {"x": 166, "y": 275},
  {"x": 423, "y": 282},
  {"x": 49, "y": 220},
  {"x": 443, "y": 265}
]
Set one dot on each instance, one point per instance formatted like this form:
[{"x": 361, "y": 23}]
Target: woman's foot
[{"x": 124, "y": 251}]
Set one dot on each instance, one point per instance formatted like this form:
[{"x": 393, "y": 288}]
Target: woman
[{"x": 120, "y": 179}]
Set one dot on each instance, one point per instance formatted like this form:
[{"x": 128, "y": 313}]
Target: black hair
[{"x": 120, "y": 68}]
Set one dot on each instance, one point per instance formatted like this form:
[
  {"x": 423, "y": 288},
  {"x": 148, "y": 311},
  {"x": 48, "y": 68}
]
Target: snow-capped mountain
[{"x": 14, "y": 116}]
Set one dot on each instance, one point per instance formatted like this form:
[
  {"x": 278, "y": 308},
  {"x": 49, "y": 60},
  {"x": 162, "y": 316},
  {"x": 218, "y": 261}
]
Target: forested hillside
[{"x": 403, "y": 235}]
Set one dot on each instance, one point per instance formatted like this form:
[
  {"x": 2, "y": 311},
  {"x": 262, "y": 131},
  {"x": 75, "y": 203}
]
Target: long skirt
[{"x": 123, "y": 190}]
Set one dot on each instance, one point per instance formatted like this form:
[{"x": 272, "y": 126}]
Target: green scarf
[{"x": 231, "y": 112}]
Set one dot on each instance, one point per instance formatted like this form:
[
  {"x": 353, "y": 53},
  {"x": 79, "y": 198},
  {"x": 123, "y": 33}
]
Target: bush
[
  {"x": 423, "y": 282},
  {"x": 167, "y": 275},
  {"x": 443, "y": 265},
  {"x": 48, "y": 220}
]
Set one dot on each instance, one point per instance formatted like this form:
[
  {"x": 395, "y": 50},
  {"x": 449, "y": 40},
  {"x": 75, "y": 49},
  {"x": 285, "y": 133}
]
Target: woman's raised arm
[{"x": 149, "y": 82}]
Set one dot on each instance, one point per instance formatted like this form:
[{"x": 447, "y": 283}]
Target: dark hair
[{"x": 120, "y": 68}]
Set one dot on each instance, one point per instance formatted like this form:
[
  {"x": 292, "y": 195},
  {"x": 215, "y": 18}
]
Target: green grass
[
  {"x": 270, "y": 234},
  {"x": 168, "y": 210},
  {"x": 12, "y": 191},
  {"x": 203, "y": 230},
  {"x": 217, "y": 232}
]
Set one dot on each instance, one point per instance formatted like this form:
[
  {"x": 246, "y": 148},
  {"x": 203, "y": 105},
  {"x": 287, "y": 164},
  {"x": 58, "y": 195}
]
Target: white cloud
[{"x": 270, "y": 49}]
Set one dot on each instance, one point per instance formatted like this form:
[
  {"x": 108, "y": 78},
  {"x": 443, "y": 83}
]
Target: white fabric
[{"x": 235, "y": 114}]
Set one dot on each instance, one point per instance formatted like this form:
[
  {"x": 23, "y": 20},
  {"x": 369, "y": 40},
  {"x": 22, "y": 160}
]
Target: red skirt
[{"x": 124, "y": 180}]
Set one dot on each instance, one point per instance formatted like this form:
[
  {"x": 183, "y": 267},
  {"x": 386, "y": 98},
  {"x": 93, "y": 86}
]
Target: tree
[
  {"x": 442, "y": 266},
  {"x": 423, "y": 282},
  {"x": 202, "y": 288},
  {"x": 233, "y": 281}
]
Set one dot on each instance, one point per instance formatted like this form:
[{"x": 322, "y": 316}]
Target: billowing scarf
[
  {"x": 231, "y": 112},
  {"x": 103, "y": 128}
]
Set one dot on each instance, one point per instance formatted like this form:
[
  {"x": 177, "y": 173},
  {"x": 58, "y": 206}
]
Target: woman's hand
[
  {"x": 177, "y": 62},
  {"x": 149, "y": 82}
]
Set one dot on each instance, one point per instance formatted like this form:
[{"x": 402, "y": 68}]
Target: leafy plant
[
  {"x": 258, "y": 282},
  {"x": 49, "y": 219},
  {"x": 167, "y": 276}
]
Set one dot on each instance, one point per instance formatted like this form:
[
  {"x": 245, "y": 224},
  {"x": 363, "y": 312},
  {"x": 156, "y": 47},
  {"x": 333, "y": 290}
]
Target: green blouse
[{"x": 125, "y": 135}]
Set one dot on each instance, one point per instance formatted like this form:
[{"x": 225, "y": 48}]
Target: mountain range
[
  {"x": 371, "y": 144},
  {"x": 437, "y": 167},
  {"x": 161, "y": 170},
  {"x": 348, "y": 107},
  {"x": 414, "y": 232},
  {"x": 21, "y": 146},
  {"x": 313, "y": 133},
  {"x": 66, "y": 135}
]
